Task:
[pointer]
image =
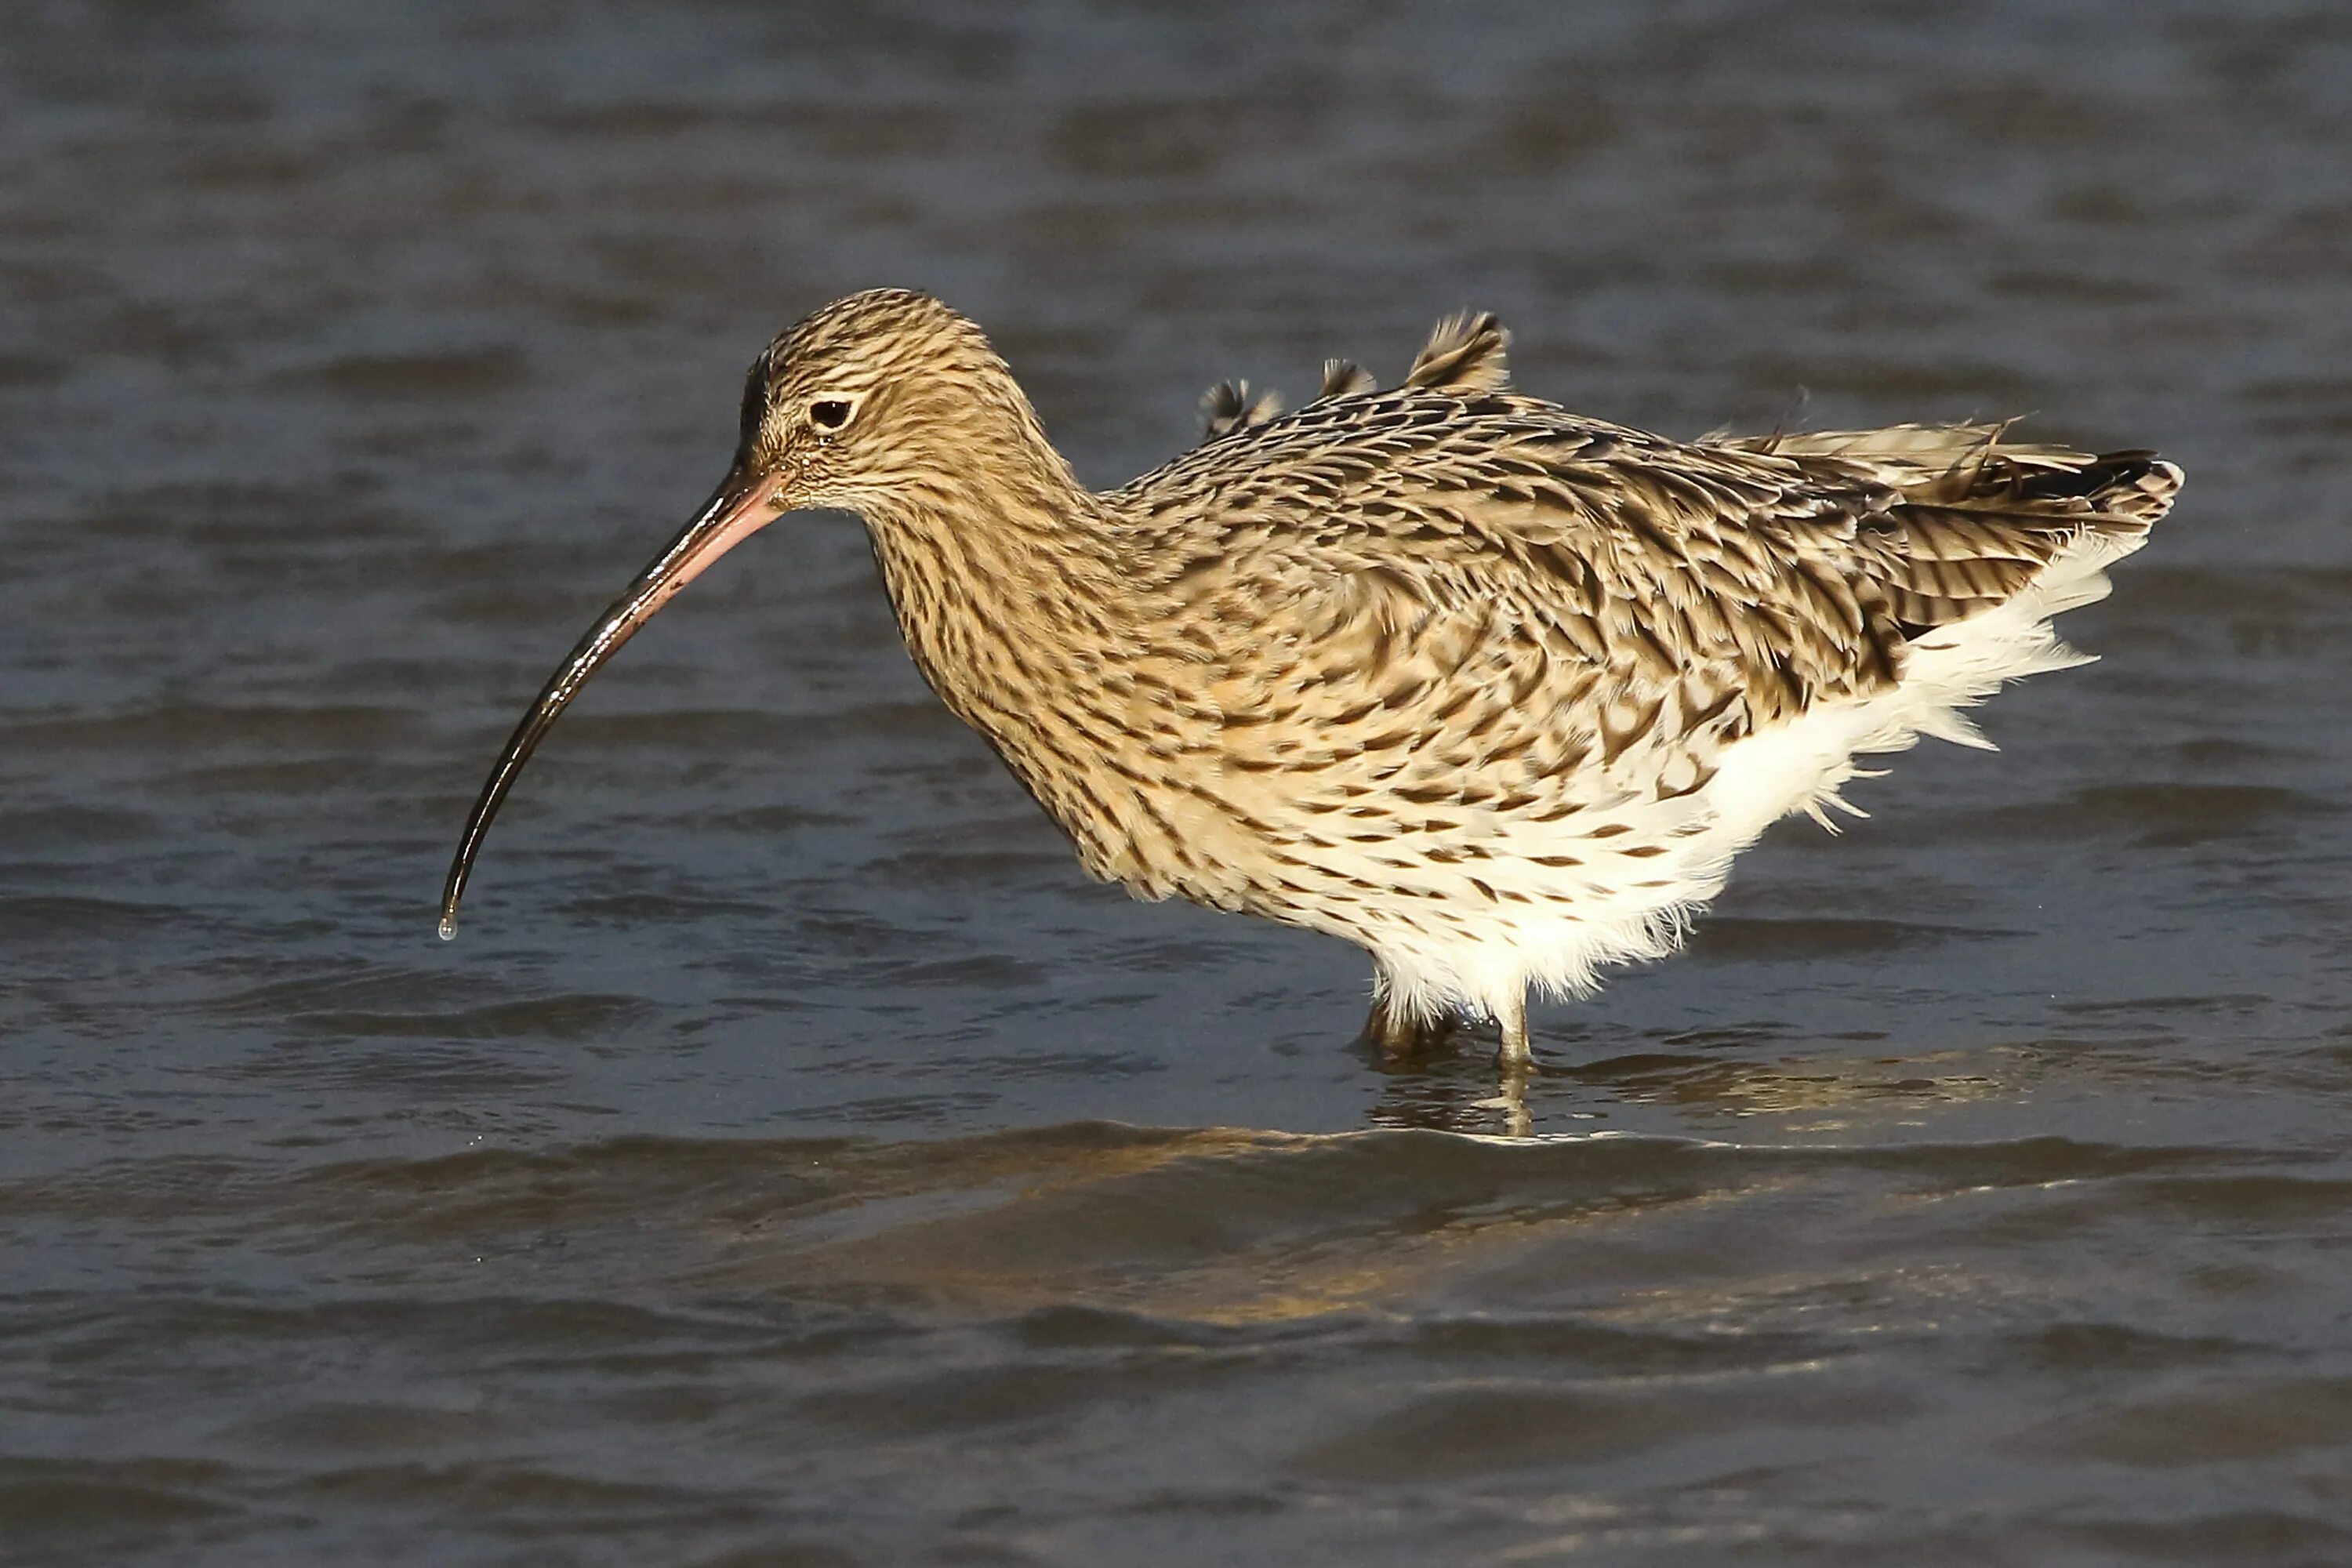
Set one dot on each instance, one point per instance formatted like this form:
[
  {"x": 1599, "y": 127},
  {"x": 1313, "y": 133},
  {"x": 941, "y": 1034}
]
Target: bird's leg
[
  {"x": 1512, "y": 1020},
  {"x": 1515, "y": 1064},
  {"x": 1400, "y": 1033}
]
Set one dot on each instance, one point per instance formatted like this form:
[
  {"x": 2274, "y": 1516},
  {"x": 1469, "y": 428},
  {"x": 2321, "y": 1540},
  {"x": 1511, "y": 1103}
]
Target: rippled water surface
[{"x": 796, "y": 1159}]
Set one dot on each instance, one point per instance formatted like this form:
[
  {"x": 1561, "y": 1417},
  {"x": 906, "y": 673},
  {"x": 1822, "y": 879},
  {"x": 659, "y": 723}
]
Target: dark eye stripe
[
  {"x": 755, "y": 398},
  {"x": 830, "y": 413}
]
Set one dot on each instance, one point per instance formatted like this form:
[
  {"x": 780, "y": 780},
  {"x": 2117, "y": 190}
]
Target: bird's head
[
  {"x": 862, "y": 405},
  {"x": 875, "y": 403}
]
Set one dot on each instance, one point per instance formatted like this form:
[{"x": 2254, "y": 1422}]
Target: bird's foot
[{"x": 1511, "y": 1098}]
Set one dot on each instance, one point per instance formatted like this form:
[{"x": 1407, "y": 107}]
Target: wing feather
[{"x": 1616, "y": 596}]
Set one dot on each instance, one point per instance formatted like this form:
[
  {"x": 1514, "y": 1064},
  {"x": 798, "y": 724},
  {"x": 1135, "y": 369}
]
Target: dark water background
[{"x": 796, "y": 1159}]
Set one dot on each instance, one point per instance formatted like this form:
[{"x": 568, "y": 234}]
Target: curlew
[{"x": 1492, "y": 689}]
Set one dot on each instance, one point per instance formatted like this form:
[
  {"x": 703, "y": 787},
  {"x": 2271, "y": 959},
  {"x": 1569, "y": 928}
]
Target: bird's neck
[
  {"x": 1005, "y": 579},
  {"x": 1019, "y": 600}
]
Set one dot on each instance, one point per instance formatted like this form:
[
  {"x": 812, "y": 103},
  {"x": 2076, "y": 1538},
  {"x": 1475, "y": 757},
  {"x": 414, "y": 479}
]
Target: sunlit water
[{"x": 794, "y": 1158}]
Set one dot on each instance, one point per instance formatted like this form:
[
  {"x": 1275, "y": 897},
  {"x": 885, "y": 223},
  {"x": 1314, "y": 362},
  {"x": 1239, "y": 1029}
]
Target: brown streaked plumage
[{"x": 1492, "y": 689}]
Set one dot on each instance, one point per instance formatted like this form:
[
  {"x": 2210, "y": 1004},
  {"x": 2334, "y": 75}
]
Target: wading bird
[{"x": 1492, "y": 689}]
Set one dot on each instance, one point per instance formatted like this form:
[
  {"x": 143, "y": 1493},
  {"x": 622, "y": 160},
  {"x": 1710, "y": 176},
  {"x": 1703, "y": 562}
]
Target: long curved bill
[{"x": 744, "y": 504}]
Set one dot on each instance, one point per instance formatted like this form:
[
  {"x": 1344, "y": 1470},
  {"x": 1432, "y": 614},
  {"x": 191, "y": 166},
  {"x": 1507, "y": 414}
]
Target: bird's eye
[{"x": 829, "y": 413}]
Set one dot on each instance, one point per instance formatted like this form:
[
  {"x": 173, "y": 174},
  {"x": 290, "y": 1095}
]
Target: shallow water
[{"x": 796, "y": 1159}]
